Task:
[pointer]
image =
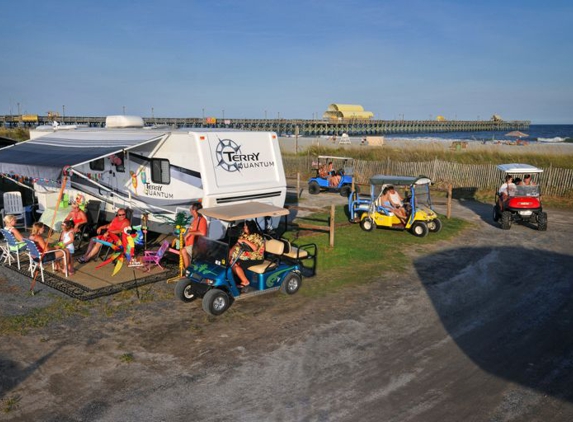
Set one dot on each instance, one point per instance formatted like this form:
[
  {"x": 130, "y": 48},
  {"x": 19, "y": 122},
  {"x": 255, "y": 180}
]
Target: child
[{"x": 67, "y": 242}]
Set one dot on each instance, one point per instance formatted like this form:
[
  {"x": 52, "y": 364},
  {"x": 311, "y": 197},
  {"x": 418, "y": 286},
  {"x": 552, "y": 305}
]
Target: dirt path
[{"x": 478, "y": 329}]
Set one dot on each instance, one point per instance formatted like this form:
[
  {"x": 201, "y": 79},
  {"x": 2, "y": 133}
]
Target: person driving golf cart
[{"x": 247, "y": 252}]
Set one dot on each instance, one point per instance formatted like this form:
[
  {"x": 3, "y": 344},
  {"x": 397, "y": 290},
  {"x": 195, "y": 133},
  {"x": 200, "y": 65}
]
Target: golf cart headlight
[
  {"x": 208, "y": 281},
  {"x": 187, "y": 273}
]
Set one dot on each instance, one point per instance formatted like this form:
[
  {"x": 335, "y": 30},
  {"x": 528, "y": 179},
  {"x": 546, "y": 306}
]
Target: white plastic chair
[{"x": 13, "y": 205}]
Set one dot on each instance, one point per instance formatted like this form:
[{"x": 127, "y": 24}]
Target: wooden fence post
[
  {"x": 449, "y": 203},
  {"x": 298, "y": 189},
  {"x": 332, "y": 225}
]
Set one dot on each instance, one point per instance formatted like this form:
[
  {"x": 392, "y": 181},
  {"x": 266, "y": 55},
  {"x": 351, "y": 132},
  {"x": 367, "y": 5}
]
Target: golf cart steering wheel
[{"x": 243, "y": 247}]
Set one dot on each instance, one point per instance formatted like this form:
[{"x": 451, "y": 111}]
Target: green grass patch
[
  {"x": 127, "y": 358},
  {"x": 59, "y": 310},
  {"x": 11, "y": 403},
  {"x": 358, "y": 256}
]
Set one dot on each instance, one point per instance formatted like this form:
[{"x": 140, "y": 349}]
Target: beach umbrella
[{"x": 517, "y": 134}]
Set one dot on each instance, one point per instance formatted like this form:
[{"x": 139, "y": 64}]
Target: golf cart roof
[
  {"x": 244, "y": 211},
  {"x": 331, "y": 157},
  {"x": 519, "y": 168},
  {"x": 382, "y": 179}
]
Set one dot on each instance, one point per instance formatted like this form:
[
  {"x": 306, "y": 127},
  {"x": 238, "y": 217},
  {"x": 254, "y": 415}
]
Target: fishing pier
[{"x": 293, "y": 127}]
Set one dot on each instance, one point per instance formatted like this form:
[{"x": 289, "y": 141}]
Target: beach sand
[{"x": 292, "y": 145}]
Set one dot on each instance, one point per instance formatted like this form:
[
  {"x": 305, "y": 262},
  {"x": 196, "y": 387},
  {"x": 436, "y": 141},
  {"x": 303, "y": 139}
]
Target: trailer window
[
  {"x": 160, "y": 171},
  {"x": 97, "y": 165}
]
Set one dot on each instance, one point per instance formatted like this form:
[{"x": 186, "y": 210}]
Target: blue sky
[{"x": 256, "y": 58}]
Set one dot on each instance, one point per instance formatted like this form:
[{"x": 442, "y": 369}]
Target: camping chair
[
  {"x": 153, "y": 257},
  {"x": 12, "y": 249},
  {"x": 13, "y": 205},
  {"x": 37, "y": 259},
  {"x": 128, "y": 215},
  {"x": 85, "y": 231}
]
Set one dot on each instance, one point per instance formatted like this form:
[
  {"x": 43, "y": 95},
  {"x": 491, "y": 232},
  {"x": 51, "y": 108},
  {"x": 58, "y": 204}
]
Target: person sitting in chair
[
  {"x": 49, "y": 253},
  {"x": 78, "y": 216},
  {"x": 9, "y": 222},
  {"x": 117, "y": 225},
  {"x": 389, "y": 205}
]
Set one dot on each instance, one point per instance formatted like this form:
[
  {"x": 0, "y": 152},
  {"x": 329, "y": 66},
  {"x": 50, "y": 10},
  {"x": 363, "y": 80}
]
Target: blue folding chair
[
  {"x": 38, "y": 259},
  {"x": 12, "y": 249}
]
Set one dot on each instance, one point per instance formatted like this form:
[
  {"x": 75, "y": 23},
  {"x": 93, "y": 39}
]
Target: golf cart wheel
[
  {"x": 184, "y": 292},
  {"x": 506, "y": 220},
  {"x": 313, "y": 188},
  {"x": 542, "y": 221},
  {"x": 435, "y": 225},
  {"x": 367, "y": 224},
  {"x": 496, "y": 213},
  {"x": 345, "y": 191},
  {"x": 419, "y": 229},
  {"x": 215, "y": 302},
  {"x": 291, "y": 284}
]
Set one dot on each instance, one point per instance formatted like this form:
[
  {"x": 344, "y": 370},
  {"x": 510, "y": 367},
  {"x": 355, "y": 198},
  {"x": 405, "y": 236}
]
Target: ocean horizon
[{"x": 536, "y": 133}]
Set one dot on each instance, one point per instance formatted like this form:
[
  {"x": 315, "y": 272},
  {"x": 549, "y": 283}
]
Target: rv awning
[{"x": 45, "y": 157}]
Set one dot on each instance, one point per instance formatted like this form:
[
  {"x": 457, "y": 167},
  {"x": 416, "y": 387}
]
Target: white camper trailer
[{"x": 153, "y": 171}]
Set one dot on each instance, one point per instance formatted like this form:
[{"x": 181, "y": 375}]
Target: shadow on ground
[{"x": 509, "y": 310}]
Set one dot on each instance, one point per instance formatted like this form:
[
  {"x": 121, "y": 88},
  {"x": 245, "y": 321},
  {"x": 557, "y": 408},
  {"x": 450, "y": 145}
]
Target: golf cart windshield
[
  {"x": 345, "y": 165},
  {"x": 422, "y": 195},
  {"x": 210, "y": 251},
  {"x": 525, "y": 190}
]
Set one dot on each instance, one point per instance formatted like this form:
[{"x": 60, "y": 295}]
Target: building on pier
[{"x": 347, "y": 112}]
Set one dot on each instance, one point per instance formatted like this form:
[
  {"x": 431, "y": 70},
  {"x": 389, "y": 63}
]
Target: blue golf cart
[
  {"x": 337, "y": 178},
  {"x": 211, "y": 278}
]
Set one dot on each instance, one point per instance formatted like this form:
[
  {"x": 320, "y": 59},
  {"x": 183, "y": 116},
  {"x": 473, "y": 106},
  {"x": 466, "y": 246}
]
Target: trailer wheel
[
  {"x": 542, "y": 221},
  {"x": 367, "y": 224},
  {"x": 184, "y": 292},
  {"x": 435, "y": 225},
  {"x": 215, "y": 302},
  {"x": 419, "y": 229},
  {"x": 506, "y": 220},
  {"x": 291, "y": 283},
  {"x": 313, "y": 188}
]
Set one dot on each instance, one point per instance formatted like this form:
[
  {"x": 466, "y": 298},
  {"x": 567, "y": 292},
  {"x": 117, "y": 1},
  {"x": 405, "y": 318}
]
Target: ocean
[{"x": 536, "y": 133}]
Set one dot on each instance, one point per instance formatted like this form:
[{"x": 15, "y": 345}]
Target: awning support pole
[{"x": 64, "y": 182}]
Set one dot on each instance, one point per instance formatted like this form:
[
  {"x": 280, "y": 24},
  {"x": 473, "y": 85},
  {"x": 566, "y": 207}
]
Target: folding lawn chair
[
  {"x": 153, "y": 257},
  {"x": 38, "y": 259},
  {"x": 86, "y": 230},
  {"x": 12, "y": 249}
]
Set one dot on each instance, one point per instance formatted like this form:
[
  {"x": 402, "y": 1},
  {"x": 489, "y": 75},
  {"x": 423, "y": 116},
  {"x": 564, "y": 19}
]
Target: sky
[{"x": 407, "y": 59}]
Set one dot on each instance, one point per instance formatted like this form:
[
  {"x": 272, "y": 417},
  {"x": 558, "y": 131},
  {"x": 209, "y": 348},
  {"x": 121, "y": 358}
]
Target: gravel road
[{"x": 479, "y": 329}]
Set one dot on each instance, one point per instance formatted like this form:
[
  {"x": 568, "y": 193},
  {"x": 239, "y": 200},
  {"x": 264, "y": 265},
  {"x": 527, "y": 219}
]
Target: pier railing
[{"x": 310, "y": 127}]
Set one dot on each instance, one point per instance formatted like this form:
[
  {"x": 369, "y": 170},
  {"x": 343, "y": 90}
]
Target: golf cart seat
[
  {"x": 273, "y": 250},
  {"x": 382, "y": 209}
]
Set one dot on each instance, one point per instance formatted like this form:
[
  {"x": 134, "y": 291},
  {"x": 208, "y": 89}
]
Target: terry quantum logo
[{"x": 232, "y": 159}]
